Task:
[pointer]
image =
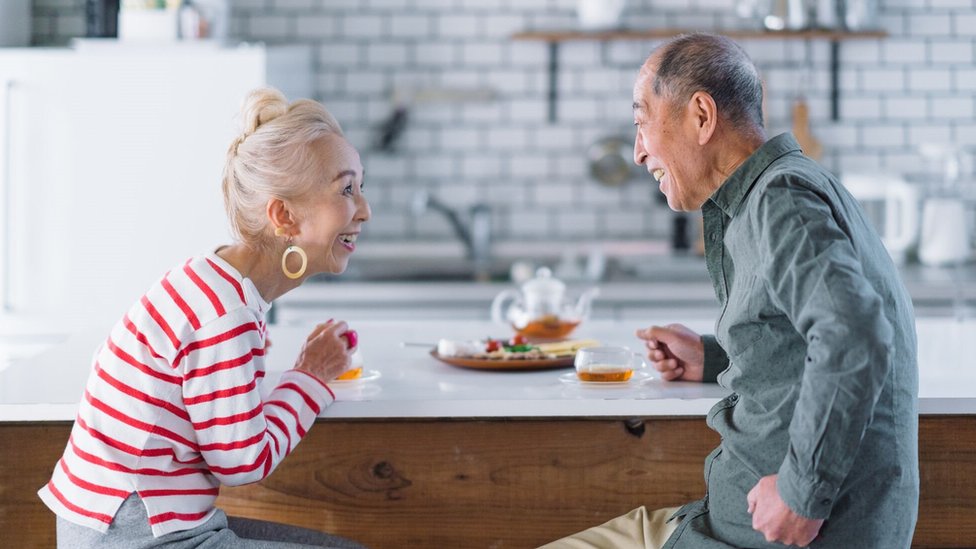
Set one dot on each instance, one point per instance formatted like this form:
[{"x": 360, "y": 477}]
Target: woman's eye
[{"x": 347, "y": 190}]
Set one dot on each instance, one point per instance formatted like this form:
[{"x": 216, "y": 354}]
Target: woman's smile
[{"x": 348, "y": 241}]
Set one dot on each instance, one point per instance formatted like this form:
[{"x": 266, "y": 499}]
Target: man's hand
[
  {"x": 775, "y": 520},
  {"x": 676, "y": 351}
]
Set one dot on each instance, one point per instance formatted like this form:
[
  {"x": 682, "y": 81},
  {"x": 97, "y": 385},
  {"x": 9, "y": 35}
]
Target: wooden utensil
[{"x": 801, "y": 130}]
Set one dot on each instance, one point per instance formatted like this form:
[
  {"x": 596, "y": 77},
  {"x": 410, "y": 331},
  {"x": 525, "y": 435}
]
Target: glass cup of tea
[{"x": 607, "y": 364}]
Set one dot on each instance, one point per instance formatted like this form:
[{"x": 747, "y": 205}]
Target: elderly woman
[{"x": 172, "y": 408}]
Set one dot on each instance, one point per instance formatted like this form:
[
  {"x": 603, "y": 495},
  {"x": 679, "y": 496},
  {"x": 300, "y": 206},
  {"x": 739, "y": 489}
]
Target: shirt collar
[
  {"x": 252, "y": 297},
  {"x": 733, "y": 191}
]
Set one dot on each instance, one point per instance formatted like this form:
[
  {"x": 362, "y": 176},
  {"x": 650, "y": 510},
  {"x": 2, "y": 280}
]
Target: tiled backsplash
[{"x": 918, "y": 85}]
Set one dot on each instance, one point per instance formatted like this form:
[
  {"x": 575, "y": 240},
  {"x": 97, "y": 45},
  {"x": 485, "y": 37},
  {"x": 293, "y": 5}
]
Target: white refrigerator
[{"x": 110, "y": 164}]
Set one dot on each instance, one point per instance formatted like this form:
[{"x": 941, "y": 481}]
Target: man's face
[{"x": 667, "y": 145}]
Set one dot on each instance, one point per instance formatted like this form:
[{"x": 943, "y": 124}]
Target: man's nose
[{"x": 640, "y": 155}]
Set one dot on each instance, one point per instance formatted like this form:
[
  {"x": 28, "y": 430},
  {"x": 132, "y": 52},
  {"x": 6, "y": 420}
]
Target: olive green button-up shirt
[{"x": 816, "y": 340}]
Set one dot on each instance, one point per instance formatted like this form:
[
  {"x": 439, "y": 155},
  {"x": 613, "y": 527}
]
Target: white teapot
[{"x": 540, "y": 310}]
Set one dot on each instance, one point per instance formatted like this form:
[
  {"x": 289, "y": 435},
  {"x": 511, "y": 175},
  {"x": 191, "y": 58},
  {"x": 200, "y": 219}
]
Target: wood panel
[
  {"x": 477, "y": 483},
  {"x": 657, "y": 34},
  {"x": 502, "y": 483},
  {"x": 947, "y": 468},
  {"x": 28, "y": 454}
]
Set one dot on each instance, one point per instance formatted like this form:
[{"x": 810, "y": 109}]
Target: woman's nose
[{"x": 364, "y": 212}]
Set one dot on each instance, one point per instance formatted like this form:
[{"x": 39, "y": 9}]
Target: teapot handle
[
  {"x": 496, "y": 305},
  {"x": 585, "y": 302}
]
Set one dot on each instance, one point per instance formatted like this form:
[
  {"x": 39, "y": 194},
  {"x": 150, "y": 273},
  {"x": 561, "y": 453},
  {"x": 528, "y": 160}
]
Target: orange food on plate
[{"x": 354, "y": 373}]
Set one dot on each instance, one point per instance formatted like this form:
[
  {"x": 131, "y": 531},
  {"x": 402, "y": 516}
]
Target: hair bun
[{"x": 262, "y": 106}]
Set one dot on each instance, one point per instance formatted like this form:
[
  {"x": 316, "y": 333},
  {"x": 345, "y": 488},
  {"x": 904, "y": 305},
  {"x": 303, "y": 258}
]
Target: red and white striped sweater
[{"x": 172, "y": 408}]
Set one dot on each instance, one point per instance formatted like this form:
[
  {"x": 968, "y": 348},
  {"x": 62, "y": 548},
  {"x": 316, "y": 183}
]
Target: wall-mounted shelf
[{"x": 555, "y": 37}]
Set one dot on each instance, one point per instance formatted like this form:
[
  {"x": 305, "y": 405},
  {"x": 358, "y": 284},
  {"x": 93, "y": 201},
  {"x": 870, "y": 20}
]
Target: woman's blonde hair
[{"x": 271, "y": 158}]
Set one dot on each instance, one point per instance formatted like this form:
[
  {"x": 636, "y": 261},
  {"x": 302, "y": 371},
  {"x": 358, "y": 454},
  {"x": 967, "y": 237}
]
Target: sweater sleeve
[{"x": 241, "y": 437}]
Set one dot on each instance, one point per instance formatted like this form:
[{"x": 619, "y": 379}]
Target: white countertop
[{"x": 412, "y": 384}]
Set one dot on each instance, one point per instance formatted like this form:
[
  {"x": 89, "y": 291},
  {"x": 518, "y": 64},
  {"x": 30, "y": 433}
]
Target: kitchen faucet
[{"x": 475, "y": 235}]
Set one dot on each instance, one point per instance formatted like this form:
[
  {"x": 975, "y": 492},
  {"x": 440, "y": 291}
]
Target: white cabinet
[{"x": 111, "y": 161}]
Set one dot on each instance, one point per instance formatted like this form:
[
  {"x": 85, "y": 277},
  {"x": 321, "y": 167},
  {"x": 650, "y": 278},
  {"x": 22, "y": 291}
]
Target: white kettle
[
  {"x": 892, "y": 204},
  {"x": 944, "y": 239}
]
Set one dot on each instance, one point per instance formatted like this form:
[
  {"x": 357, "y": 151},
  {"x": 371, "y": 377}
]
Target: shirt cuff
[
  {"x": 716, "y": 361},
  {"x": 808, "y": 498}
]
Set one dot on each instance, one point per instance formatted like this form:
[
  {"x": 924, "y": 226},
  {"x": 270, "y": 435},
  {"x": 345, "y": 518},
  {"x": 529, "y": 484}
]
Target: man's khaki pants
[{"x": 637, "y": 529}]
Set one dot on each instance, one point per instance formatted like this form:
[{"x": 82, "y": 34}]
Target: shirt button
[
  {"x": 715, "y": 237},
  {"x": 825, "y": 502}
]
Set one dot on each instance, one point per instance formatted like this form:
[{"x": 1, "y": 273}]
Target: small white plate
[
  {"x": 368, "y": 375},
  {"x": 570, "y": 378}
]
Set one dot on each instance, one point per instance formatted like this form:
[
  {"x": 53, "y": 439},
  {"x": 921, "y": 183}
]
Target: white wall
[{"x": 913, "y": 87}]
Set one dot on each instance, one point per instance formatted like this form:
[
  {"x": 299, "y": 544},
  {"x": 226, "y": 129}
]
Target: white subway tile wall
[{"x": 477, "y": 124}]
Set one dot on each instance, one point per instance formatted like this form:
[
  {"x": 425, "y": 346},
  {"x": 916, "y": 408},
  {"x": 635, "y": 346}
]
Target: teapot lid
[{"x": 544, "y": 284}]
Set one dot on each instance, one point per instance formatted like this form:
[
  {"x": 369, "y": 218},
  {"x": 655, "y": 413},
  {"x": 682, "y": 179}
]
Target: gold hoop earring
[{"x": 284, "y": 262}]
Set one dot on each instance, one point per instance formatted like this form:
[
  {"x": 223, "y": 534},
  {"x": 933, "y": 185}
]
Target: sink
[
  {"x": 422, "y": 269},
  {"x": 445, "y": 261},
  {"x": 686, "y": 268},
  {"x": 434, "y": 268}
]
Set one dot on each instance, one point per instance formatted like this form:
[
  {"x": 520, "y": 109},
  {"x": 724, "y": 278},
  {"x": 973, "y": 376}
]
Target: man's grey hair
[{"x": 713, "y": 64}]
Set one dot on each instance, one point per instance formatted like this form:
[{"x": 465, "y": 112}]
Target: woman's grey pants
[{"x": 130, "y": 530}]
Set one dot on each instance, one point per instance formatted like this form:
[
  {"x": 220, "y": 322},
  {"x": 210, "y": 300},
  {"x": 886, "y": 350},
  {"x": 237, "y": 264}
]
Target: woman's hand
[
  {"x": 676, "y": 351},
  {"x": 327, "y": 351}
]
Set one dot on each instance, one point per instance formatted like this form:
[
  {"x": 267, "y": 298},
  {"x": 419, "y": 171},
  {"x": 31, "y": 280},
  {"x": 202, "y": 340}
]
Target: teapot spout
[{"x": 585, "y": 302}]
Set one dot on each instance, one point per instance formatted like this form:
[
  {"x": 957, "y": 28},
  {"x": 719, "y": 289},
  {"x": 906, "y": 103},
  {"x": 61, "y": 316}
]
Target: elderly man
[{"x": 816, "y": 337}]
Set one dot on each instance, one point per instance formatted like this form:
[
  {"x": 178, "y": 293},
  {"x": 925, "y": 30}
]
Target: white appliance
[
  {"x": 599, "y": 14},
  {"x": 892, "y": 205},
  {"x": 944, "y": 238},
  {"x": 945, "y": 230},
  {"x": 110, "y": 167}
]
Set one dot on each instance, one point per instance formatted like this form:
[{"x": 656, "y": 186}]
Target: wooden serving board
[{"x": 502, "y": 364}]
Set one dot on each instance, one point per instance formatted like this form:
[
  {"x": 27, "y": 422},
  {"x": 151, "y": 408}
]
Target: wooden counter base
[{"x": 499, "y": 483}]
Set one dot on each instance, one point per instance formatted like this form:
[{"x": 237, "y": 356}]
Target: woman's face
[{"x": 332, "y": 217}]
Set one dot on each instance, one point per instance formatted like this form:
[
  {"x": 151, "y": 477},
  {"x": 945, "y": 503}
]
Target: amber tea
[
  {"x": 605, "y": 375},
  {"x": 606, "y": 364}
]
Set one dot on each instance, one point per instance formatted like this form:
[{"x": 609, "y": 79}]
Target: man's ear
[
  {"x": 704, "y": 115},
  {"x": 281, "y": 216}
]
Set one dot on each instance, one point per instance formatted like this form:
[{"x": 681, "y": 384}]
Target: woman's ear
[
  {"x": 281, "y": 217},
  {"x": 704, "y": 114}
]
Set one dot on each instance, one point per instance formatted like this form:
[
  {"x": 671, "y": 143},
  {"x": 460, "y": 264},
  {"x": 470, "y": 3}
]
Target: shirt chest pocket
[{"x": 742, "y": 323}]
